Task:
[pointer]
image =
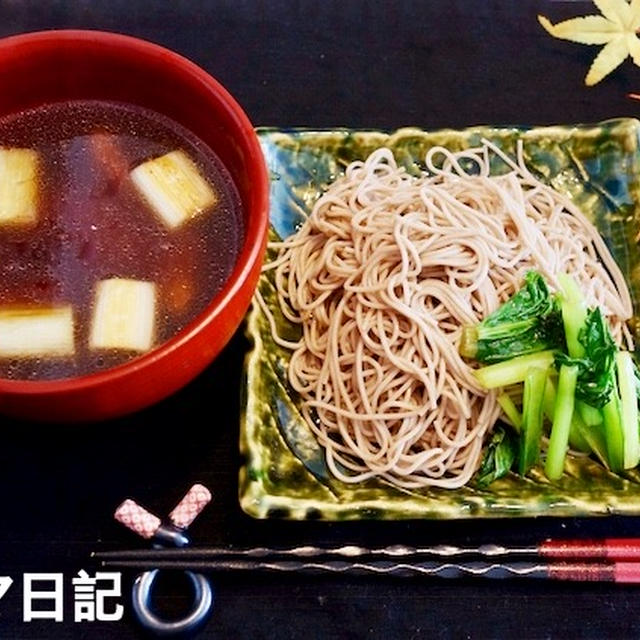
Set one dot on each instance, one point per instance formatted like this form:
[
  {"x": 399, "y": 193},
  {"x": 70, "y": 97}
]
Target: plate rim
[{"x": 258, "y": 502}]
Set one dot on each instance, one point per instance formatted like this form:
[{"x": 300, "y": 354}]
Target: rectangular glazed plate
[{"x": 284, "y": 473}]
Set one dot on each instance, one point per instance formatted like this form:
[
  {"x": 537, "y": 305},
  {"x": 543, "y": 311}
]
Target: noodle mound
[{"x": 382, "y": 277}]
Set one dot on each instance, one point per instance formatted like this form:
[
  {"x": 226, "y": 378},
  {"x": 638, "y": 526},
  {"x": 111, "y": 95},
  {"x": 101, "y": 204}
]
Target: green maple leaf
[{"x": 616, "y": 28}]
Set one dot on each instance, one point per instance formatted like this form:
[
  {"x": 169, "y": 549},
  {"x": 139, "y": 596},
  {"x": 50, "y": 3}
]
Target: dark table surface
[{"x": 444, "y": 63}]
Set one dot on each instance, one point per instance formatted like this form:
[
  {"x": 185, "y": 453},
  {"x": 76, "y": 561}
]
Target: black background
[{"x": 443, "y": 63}]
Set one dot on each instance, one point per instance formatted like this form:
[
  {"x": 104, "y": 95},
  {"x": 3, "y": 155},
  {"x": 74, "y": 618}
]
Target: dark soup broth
[{"x": 117, "y": 227}]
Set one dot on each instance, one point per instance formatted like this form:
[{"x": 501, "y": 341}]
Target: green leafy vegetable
[
  {"x": 595, "y": 368},
  {"x": 530, "y": 321},
  {"x": 500, "y": 454},
  {"x": 536, "y": 336},
  {"x": 596, "y": 385},
  {"x": 574, "y": 317}
]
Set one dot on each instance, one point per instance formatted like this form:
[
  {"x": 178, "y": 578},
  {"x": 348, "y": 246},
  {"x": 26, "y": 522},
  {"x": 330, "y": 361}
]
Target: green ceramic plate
[{"x": 284, "y": 473}]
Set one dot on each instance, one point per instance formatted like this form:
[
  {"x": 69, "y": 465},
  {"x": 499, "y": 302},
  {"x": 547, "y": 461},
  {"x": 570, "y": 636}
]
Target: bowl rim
[{"x": 251, "y": 250}]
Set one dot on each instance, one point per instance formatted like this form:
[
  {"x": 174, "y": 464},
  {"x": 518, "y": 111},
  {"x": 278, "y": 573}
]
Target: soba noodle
[{"x": 382, "y": 276}]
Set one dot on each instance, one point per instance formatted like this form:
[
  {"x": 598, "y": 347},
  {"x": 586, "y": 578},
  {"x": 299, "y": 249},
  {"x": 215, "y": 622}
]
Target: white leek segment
[
  {"x": 36, "y": 332},
  {"x": 174, "y": 188},
  {"x": 18, "y": 187},
  {"x": 123, "y": 315}
]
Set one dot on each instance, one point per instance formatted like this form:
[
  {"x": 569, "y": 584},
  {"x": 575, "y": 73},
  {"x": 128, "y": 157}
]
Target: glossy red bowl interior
[{"x": 63, "y": 65}]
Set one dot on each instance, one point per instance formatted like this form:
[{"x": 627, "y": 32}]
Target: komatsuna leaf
[
  {"x": 595, "y": 370},
  {"x": 500, "y": 454},
  {"x": 616, "y": 28},
  {"x": 529, "y": 321}
]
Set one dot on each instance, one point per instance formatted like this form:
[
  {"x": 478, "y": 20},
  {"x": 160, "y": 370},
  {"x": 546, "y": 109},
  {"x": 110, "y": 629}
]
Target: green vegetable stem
[
  {"x": 562, "y": 414},
  {"x": 577, "y": 438},
  {"x": 510, "y": 410},
  {"x": 629, "y": 408},
  {"x": 532, "y": 399},
  {"x": 574, "y": 316},
  {"x": 503, "y": 374}
]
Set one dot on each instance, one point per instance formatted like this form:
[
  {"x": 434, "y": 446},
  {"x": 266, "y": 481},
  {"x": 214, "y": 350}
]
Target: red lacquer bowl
[{"x": 52, "y": 66}]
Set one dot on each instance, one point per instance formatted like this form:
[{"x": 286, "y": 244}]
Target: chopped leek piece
[
  {"x": 36, "y": 332},
  {"x": 123, "y": 315},
  {"x": 173, "y": 187},
  {"x": 18, "y": 187}
]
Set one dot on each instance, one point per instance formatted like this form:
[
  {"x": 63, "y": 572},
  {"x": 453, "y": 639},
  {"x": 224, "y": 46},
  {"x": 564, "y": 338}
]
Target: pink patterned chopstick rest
[
  {"x": 138, "y": 519},
  {"x": 187, "y": 510}
]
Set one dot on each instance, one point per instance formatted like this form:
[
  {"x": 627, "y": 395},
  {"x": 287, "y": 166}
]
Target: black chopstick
[
  {"x": 613, "y": 549},
  {"x": 605, "y": 560},
  {"x": 578, "y": 571},
  {"x": 310, "y": 551}
]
